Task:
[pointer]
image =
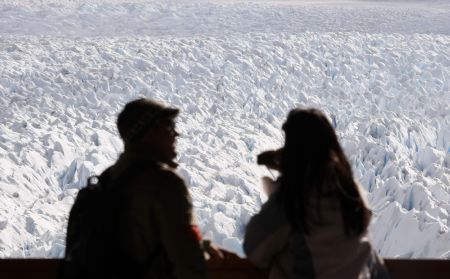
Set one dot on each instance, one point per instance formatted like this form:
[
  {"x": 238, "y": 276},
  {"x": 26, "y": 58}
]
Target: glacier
[{"x": 379, "y": 70}]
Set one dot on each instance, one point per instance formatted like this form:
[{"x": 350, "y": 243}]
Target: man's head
[{"x": 149, "y": 125}]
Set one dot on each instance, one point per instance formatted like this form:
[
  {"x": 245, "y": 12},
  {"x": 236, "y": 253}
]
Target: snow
[{"x": 379, "y": 70}]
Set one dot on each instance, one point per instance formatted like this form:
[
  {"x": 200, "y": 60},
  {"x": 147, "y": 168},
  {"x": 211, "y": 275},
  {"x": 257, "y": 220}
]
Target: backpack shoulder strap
[{"x": 130, "y": 172}]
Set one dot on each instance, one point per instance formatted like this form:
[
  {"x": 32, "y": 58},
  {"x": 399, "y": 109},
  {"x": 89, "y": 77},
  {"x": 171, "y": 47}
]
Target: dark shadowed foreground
[{"x": 232, "y": 268}]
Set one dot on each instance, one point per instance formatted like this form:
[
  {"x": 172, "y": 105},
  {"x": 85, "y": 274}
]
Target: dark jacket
[
  {"x": 326, "y": 252},
  {"x": 156, "y": 233}
]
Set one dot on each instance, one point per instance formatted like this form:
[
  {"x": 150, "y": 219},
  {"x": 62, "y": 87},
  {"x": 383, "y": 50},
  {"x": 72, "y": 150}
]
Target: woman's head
[
  {"x": 313, "y": 164},
  {"x": 309, "y": 139}
]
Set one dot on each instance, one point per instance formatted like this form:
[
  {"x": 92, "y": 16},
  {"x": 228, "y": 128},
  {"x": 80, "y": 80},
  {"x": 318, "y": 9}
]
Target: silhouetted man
[{"x": 156, "y": 234}]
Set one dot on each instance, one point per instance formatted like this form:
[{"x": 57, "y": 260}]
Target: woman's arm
[{"x": 266, "y": 234}]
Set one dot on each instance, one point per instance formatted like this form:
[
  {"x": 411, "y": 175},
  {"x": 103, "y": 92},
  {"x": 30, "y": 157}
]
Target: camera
[{"x": 270, "y": 158}]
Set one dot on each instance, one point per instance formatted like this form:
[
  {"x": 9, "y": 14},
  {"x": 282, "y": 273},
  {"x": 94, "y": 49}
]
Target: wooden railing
[{"x": 231, "y": 268}]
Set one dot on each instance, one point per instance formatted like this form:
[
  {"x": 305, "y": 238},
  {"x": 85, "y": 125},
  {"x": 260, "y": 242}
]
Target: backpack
[{"x": 91, "y": 227}]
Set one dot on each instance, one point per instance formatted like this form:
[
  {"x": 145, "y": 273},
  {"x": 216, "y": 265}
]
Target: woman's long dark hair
[{"x": 313, "y": 164}]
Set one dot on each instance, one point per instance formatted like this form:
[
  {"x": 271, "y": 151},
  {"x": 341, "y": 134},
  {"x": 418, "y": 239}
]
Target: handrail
[{"x": 230, "y": 268}]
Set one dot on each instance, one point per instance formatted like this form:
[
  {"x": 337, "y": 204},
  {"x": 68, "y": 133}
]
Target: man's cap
[{"x": 140, "y": 115}]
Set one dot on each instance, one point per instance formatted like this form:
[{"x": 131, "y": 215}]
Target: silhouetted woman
[{"x": 314, "y": 224}]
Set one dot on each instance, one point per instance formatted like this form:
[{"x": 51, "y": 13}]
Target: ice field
[{"x": 380, "y": 71}]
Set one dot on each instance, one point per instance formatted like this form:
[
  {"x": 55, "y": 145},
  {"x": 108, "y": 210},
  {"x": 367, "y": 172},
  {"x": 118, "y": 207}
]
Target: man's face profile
[{"x": 161, "y": 138}]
